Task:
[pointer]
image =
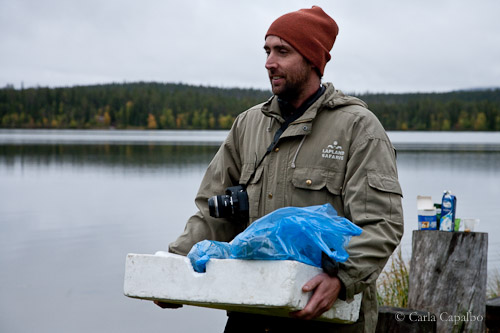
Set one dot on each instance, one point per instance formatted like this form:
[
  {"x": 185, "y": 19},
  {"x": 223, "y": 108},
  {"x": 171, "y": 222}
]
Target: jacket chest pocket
[
  {"x": 312, "y": 186},
  {"x": 254, "y": 188}
]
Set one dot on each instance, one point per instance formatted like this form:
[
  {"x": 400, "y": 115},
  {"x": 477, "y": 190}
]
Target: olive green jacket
[{"x": 336, "y": 152}]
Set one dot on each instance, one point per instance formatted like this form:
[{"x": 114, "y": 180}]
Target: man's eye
[{"x": 283, "y": 51}]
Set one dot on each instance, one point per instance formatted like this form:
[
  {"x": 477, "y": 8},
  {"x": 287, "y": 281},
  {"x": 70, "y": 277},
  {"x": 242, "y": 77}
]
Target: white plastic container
[
  {"x": 272, "y": 287},
  {"x": 427, "y": 219}
]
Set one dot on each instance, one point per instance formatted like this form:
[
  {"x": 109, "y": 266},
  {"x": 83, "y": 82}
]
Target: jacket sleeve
[
  {"x": 372, "y": 200},
  {"x": 222, "y": 172}
]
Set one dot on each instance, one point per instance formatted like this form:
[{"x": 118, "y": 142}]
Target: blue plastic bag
[
  {"x": 289, "y": 233},
  {"x": 202, "y": 251}
]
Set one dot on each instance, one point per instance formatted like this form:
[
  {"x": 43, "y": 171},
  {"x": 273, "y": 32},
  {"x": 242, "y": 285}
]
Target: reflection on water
[
  {"x": 468, "y": 162},
  {"x": 70, "y": 213},
  {"x": 68, "y": 217},
  {"x": 154, "y": 158}
]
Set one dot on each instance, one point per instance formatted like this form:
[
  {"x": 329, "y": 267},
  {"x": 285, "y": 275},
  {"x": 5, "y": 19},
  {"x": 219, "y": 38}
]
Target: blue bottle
[{"x": 448, "y": 208}]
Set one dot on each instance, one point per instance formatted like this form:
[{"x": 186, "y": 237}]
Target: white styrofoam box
[{"x": 272, "y": 287}]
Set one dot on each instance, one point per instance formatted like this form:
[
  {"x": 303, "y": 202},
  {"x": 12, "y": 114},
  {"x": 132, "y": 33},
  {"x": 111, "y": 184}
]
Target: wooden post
[{"x": 448, "y": 275}]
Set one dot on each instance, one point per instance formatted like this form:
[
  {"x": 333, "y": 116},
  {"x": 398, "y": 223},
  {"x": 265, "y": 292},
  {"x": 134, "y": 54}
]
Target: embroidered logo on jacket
[{"x": 334, "y": 152}]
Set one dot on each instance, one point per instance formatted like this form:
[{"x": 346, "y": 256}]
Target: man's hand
[
  {"x": 165, "y": 305},
  {"x": 326, "y": 290}
]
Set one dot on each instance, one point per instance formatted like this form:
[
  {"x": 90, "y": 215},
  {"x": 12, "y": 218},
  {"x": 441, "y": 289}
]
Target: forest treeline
[{"x": 180, "y": 106}]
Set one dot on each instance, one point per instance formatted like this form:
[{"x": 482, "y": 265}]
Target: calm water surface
[{"x": 69, "y": 214}]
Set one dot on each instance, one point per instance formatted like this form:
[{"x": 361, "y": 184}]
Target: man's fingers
[
  {"x": 312, "y": 284},
  {"x": 326, "y": 290},
  {"x": 314, "y": 308},
  {"x": 307, "y": 313}
]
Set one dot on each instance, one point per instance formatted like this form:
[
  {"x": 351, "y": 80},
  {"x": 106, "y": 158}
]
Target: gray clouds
[{"x": 390, "y": 46}]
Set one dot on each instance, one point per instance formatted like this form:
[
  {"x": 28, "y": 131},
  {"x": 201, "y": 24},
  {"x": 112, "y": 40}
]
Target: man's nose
[{"x": 271, "y": 62}]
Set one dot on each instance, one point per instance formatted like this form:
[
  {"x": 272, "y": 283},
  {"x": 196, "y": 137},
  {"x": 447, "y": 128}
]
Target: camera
[{"x": 232, "y": 205}]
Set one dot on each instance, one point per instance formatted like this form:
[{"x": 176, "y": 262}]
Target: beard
[{"x": 294, "y": 83}]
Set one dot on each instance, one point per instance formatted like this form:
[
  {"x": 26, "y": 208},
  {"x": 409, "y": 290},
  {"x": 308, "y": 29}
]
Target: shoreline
[{"x": 402, "y": 140}]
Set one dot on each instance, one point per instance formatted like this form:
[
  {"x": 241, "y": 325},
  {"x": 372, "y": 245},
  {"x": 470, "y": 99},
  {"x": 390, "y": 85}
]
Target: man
[{"x": 333, "y": 150}]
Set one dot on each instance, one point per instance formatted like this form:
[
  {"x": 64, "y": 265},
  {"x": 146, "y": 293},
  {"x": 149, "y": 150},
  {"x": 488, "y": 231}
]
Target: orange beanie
[{"x": 310, "y": 31}]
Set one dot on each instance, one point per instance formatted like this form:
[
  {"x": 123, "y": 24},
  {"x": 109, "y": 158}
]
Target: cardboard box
[{"x": 427, "y": 219}]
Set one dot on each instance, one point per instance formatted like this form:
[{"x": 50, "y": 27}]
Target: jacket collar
[
  {"x": 271, "y": 108},
  {"x": 287, "y": 110}
]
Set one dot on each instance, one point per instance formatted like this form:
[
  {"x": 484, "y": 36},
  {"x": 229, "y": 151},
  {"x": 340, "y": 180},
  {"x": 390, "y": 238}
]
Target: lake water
[{"x": 74, "y": 203}]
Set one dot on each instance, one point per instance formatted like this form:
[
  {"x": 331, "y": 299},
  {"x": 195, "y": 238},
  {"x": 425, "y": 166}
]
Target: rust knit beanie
[{"x": 310, "y": 31}]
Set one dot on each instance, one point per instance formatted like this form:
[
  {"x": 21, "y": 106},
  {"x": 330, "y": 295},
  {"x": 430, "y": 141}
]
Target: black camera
[{"x": 232, "y": 205}]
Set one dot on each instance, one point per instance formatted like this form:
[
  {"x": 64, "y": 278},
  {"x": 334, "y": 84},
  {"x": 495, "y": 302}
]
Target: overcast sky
[{"x": 383, "y": 46}]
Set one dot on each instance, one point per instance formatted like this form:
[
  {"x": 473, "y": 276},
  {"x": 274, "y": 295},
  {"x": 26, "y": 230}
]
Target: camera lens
[
  {"x": 212, "y": 206},
  {"x": 220, "y": 206},
  {"x": 232, "y": 205}
]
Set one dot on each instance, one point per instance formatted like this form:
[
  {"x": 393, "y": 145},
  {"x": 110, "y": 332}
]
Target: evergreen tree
[{"x": 180, "y": 106}]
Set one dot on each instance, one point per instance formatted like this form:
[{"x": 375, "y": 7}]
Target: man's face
[{"x": 288, "y": 70}]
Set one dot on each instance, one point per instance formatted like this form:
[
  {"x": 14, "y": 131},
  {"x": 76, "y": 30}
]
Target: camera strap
[{"x": 296, "y": 115}]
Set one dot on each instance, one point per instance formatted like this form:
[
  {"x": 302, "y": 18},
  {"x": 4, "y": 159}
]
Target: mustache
[{"x": 273, "y": 74}]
